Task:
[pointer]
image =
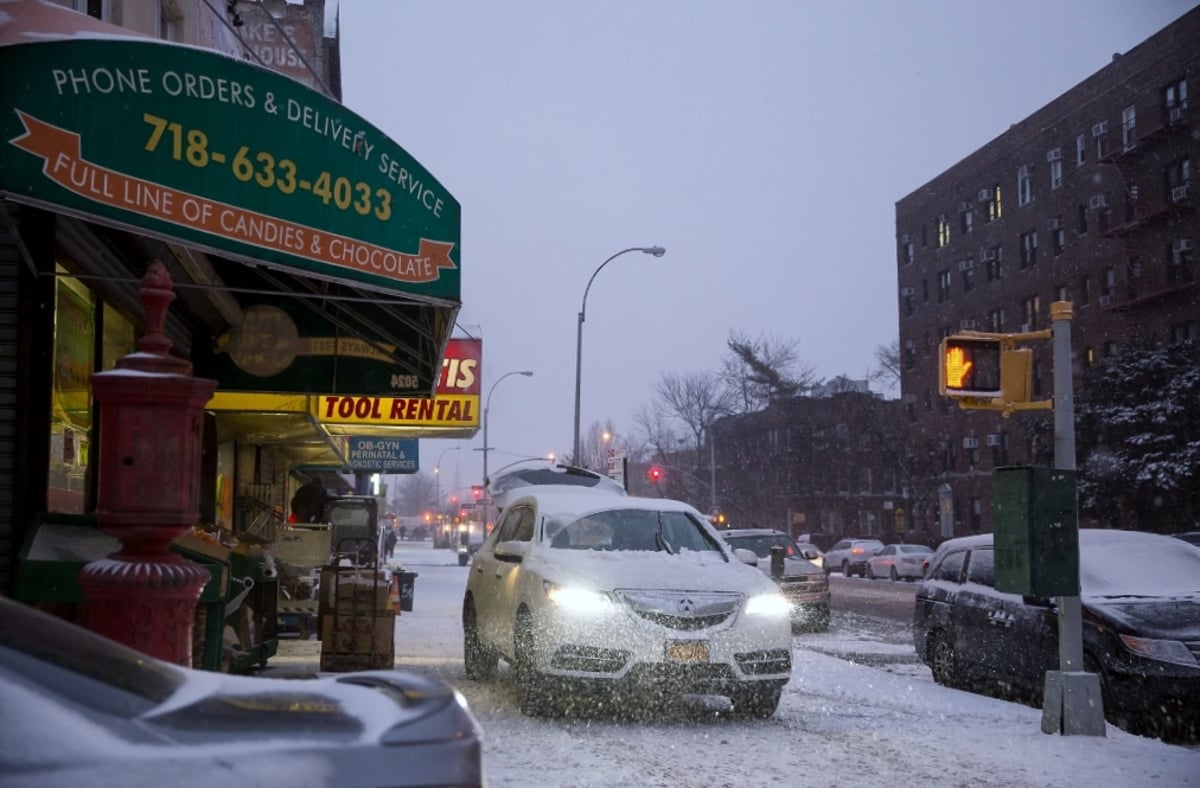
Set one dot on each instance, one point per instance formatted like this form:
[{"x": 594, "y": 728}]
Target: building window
[
  {"x": 943, "y": 294},
  {"x": 991, "y": 203},
  {"x": 1080, "y": 150},
  {"x": 1085, "y": 291},
  {"x": 968, "y": 275},
  {"x": 1185, "y": 332},
  {"x": 1179, "y": 177},
  {"x": 1110, "y": 348},
  {"x": 1128, "y": 127},
  {"x": 1056, "y": 174},
  {"x": 910, "y": 354},
  {"x": 1082, "y": 225},
  {"x": 1175, "y": 101},
  {"x": 996, "y": 320},
  {"x": 1039, "y": 375},
  {"x": 943, "y": 230},
  {"x": 924, "y": 236},
  {"x": 1024, "y": 185},
  {"x": 1108, "y": 282},
  {"x": 1089, "y": 356},
  {"x": 907, "y": 253},
  {"x": 1062, "y": 293},
  {"x": 1100, "y": 134},
  {"x": 966, "y": 217},
  {"x": 909, "y": 308},
  {"x": 1180, "y": 263},
  {"x": 1028, "y": 248},
  {"x": 976, "y": 511},
  {"x": 1031, "y": 307},
  {"x": 999, "y": 444},
  {"x": 994, "y": 259},
  {"x": 1058, "y": 236},
  {"x": 925, "y": 291}
]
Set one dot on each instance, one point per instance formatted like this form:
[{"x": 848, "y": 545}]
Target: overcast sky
[{"x": 764, "y": 144}]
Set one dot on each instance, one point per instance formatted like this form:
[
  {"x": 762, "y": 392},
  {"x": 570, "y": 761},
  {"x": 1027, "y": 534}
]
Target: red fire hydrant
[{"x": 151, "y": 424}]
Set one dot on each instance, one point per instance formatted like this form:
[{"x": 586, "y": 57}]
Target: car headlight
[
  {"x": 579, "y": 601},
  {"x": 773, "y": 605},
  {"x": 1172, "y": 651}
]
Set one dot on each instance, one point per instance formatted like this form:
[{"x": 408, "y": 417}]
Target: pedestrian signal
[{"x": 970, "y": 367}]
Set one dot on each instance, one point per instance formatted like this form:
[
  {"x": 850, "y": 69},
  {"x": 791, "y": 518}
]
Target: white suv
[
  {"x": 849, "y": 556},
  {"x": 605, "y": 598}
]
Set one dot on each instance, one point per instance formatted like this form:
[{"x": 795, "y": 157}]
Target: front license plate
[{"x": 687, "y": 651}]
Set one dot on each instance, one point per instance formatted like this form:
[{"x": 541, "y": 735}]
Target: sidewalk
[{"x": 301, "y": 659}]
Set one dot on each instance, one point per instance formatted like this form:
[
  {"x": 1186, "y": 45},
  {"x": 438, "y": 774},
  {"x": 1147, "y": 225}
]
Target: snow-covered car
[
  {"x": 513, "y": 480},
  {"x": 79, "y": 709},
  {"x": 849, "y": 556},
  {"x": 1140, "y": 595},
  {"x": 805, "y": 586},
  {"x": 897, "y": 561},
  {"x": 624, "y": 601}
]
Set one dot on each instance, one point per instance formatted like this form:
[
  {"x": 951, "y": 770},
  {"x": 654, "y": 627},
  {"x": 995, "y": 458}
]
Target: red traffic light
[
  {"x": 476, "y": 491},
  {"x": 654, "y": 474}
]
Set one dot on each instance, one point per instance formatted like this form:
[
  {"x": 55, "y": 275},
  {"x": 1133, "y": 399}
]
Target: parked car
[
  {"x": 513, "y": 480},
  {"x": 805, "y": 586},
  {"x": 92, "y": 712},
  {"x": 619, "y": 599},
  {"x": 850, "y": 556},
  {"x": 897, "y": 561},
  {"x": 1140, "y": 595},
  {"x": 1191, "y": 537}
]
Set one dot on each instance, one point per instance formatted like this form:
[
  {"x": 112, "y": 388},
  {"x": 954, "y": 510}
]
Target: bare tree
[
  {"x": 693, "y": 400},
  {"x": 887, "y": 374},
  {"x": 416, "y": 494},
  {"x": 760, "y": 370}
]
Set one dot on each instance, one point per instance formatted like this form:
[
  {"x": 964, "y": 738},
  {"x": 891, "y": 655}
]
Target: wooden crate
[
  {"x": 354, "y": 590},
  {"x": 341, "y": 634}
]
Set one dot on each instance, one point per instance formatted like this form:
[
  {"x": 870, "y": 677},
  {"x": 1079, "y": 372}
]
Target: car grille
[
  {"x": 756, "y": 663},
  {"x": 687, "y": 611},
  {"x": 589, "y": 659},
  {"x": 802, "y": 585}
]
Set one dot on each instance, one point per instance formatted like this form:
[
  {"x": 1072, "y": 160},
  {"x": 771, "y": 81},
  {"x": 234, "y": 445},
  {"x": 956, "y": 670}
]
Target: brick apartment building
[{"x": 1091, "y": 199}]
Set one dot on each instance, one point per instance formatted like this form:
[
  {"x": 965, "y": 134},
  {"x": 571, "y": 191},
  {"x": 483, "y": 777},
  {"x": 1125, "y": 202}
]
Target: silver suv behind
[{"x": 850, "y": 556}]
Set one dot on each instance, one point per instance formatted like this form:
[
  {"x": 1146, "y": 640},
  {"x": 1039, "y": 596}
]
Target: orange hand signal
[{"x": 957, "y": 367}]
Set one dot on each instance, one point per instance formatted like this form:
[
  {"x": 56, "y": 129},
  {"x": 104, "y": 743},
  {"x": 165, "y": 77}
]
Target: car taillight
[{"x": 857, "y": 550}]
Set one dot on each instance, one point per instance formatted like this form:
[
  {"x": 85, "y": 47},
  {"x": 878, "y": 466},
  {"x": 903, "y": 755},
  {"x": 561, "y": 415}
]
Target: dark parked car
[
  {"x": 803, "y": 584},
  {"x": 1191, "y": 537},
  {"x": 1140, "y": 594},
  {"x": 80, "y": 709}
]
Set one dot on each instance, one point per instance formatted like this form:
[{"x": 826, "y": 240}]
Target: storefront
[{"x": 313, "y": 260}]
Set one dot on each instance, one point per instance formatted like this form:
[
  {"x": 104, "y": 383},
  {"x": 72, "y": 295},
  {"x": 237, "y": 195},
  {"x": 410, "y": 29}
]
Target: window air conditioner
[
  {"x": 967, "y": 325},
  {"x": 984, "y": 195},
  {"x": 965, "y": 265},
  {"x": 909, "y": 344},
  {"x": 1179, "y": 193},
  {"x": 1182, "y": 245},
  {"x": 906, "y": 291},
  {"x": 970, "y": 443},
  {"x": 1098, "y": 201},
  {"x": 1025, "y": 328},
  {"x": 964, "y": 206},
  {"x": 906, "y": 238},
  {"x": 1106, "y": 301},
  {"x": 1055, "y": 224},
  {"x": 993, "y": 440},
  {"x": 1100, "y": 128},
  {"x": 987, "y": 254},
  {"x": 1054, "y": 155}
]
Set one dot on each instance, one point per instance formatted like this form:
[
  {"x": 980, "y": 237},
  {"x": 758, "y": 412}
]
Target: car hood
[
  {"x": 602, "y": 570},
  {"x": 793, "y": 568},
  {"x": 1175, "y": 619}
]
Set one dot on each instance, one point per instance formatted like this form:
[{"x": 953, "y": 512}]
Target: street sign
[{"x": 383, "y": 455}]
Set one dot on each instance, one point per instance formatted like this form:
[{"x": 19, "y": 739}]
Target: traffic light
[
  {"x": 476, "y": 491},
  {"x": 654, "y": 474},
  {"x": 969, "y": 367}
]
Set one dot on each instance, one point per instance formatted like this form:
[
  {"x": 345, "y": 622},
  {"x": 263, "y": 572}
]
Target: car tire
[
  {"x": 479, "y": 661},
  {"x": 894, "y": 574},
  {"x": 845, "y": 568},
  {"x": 755, "y": 701},
  {"x": 870, "y": 572},
  {"x": 533, "y": 694},
  {"x": 942, "y": 661}
]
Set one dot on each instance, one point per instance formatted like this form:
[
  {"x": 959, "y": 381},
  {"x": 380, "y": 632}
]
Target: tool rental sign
[{"x": 187, "y": 143}]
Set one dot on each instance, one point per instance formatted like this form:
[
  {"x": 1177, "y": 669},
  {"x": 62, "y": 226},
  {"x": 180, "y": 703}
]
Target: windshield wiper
[{"x": 661, "y": 540}]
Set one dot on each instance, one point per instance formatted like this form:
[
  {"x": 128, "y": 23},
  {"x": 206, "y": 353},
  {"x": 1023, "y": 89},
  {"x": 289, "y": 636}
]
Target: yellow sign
[{"x": 444, "y": 410}]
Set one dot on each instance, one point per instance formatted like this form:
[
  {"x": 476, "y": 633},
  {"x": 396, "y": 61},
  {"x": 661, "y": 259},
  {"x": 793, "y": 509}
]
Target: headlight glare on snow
[
  {"x": 772, "y": 605},
  {"x": 1171, "y": 651},
  {"x": 578, "y": 600}
]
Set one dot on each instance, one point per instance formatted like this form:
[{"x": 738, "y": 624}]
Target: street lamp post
[
  {"x": 657, "y": 251},
  {"x": 437, "y": 480},
  {"x": 487, "y": 405}
]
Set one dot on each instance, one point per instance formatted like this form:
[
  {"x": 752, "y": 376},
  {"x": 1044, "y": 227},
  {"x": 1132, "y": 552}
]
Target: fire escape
[{"x": 1143, "y": 209}]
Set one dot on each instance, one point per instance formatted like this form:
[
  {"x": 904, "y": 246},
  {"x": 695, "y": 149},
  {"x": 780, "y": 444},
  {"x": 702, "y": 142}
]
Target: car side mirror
[
  {"x": 510, "y": 551},
  {"x": 808, "y": 552},
  {"x": 1037, "y": 601},
  {"x": 745, "y": 556}
]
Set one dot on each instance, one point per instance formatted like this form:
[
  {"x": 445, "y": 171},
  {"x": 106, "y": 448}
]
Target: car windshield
[
  {"x": 641, "y": 530},
  {"x": 1123, "y": 564},
  {"x": 913, "y": 548},
  {"x": 761, "y": 545}
]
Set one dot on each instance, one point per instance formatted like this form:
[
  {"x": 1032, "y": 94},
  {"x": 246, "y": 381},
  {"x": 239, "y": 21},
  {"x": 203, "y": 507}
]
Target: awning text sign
[
  {"x": 383, "y": 455},
  {"x": 188, "y": 143}
]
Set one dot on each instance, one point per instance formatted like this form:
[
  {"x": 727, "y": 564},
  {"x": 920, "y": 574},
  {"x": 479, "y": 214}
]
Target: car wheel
[
  {"x": 479, "y": 661},
  {"x": 845, "y": 568},
  {"x": 533, "y": 694},
  {"x": 942, "y": 660},
  {"x": 894, "y": 575},
  {"x": 870, "y": 572},
  {"x": 752, "y": 700}
]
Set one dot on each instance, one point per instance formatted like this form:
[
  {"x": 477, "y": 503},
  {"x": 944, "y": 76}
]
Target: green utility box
[{"x": 1036, "y": 531}]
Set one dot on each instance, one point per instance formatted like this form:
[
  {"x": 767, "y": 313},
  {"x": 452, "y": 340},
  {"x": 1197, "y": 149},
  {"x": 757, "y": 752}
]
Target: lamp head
[{"x": 657, "y": 251}]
